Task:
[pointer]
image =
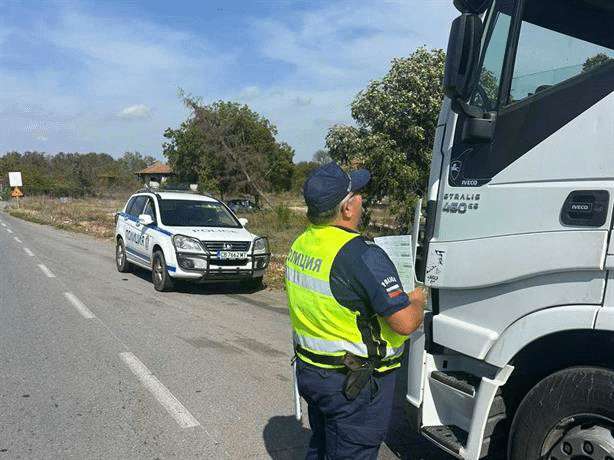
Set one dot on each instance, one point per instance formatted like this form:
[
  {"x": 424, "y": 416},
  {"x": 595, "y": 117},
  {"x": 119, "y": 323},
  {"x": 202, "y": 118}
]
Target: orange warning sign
[{"x": 16, "y": 193}]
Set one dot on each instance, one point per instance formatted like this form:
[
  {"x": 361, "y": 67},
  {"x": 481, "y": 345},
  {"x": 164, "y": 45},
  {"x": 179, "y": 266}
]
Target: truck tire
[
  {"x": 121, "y": 261},
  {"x": 568, "y": 415},
  {"x": 161, "y": 279}
]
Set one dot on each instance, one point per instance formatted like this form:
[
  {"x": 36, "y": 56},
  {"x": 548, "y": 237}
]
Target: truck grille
[{"x": 214, "y": 246}]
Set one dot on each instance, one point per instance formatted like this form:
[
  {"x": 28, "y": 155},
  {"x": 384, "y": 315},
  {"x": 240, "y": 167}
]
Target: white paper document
[{"x": 400, "y": 250}]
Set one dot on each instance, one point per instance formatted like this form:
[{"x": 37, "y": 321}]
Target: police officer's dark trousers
[{"x": 342, "y": 429}]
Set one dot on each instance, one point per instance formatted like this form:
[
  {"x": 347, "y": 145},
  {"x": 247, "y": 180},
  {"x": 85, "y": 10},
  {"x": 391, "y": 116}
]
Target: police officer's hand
[
  {"x": 408, "y": 319},
  {"x": 418, "y": 297}
]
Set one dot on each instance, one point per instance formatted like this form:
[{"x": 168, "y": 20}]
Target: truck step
[
  {"x": 451, "y": 437},
  {"x": 461, "y": 381}
]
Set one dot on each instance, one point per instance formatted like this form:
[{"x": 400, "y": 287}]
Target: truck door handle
[{"x": 585, "y": 208}]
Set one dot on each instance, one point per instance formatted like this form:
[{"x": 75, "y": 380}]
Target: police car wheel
[
  {"x": 161, "y": 279},
  {"x": 121, "y": 261},
  {"x": 255, "y": 283}
]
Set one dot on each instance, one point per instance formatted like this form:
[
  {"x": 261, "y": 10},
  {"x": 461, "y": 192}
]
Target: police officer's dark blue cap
[{"x": 328, "y": 185}]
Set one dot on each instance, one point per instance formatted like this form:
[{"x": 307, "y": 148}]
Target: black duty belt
[{"x": 337, "y": 360}]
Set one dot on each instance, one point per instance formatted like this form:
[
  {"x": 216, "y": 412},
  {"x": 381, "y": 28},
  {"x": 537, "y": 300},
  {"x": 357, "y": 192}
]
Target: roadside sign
[
  {"x": 15, "y": 179},
  {"x": 16, "y": 193}
]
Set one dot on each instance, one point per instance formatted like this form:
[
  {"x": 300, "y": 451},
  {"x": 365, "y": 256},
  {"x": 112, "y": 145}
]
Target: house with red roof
[{"x": 157, "y": 173}]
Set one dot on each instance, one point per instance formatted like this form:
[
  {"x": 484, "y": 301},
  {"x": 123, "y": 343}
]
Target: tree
[
  {"x": 232, "y": 146},
  {"x": 321, "y": 157},
  {"x": 595, "y": 61},
  {"x": 34, "y": 168},
  {"x": 65, "y": 167},
  {"x": 70, "y": 174},
  {"x": 185, "y": 151},
  {"x": 281, "y": 168},
  {"x": 301, "y": 171},
  {"x": 486, "y": 96},
  {"x": 396, "y": 119},
  {"x": 133, "y": 162}
]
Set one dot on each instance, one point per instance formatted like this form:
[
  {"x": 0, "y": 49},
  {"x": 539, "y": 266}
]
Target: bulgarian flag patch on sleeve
[{"x": 392, "y": 286}]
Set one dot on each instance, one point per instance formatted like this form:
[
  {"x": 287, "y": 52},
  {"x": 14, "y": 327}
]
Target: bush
[
  {"x": 5, "y": 195},
  {"x": 283, "y": 215}
]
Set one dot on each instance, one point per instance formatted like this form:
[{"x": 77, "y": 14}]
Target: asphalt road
[{"x": 98, "y": 365}]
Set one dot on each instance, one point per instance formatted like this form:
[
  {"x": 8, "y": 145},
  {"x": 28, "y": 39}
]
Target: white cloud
[
  {"x": 134, "y": 112},
  {"x": 249, "y": 93},
  {"x": 124, "y": 58}
]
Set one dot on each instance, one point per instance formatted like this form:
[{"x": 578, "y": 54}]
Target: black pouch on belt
[{"x": 359, "y": 372}]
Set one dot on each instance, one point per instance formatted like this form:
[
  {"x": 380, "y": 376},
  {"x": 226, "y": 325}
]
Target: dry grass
[{"x": 90, "y": 216}]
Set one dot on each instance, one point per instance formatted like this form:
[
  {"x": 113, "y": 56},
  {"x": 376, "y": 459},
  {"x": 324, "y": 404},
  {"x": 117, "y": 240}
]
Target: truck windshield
[{"x": 557, "y": 40}]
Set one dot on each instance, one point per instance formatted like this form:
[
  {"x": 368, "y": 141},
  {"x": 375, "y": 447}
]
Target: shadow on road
[
  {"x": 209, "y": 288},
  {"x": 285, "y": 438}
]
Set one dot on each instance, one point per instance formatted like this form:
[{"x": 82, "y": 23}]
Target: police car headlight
[
  {"x": 261, "y": 245},
  {"x": 192, "y": 262},
  {"x": 187, "y": 244}
]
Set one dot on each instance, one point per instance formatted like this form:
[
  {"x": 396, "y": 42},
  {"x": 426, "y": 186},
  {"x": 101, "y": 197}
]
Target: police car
[{"x": 189, "y": 236}]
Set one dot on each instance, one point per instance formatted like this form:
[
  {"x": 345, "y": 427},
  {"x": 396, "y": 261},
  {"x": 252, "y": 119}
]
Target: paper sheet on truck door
[{"x": 400, "y": 250}]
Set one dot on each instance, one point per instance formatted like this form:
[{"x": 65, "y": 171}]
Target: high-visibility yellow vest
[{"x": 323, "y": 329}]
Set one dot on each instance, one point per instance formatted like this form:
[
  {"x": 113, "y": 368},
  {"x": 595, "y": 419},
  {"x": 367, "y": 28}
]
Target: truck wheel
[
  {"x": 121, "y": 261},
  {"x": 161, "y": 279},
  {"x": 569, "y": 415}
]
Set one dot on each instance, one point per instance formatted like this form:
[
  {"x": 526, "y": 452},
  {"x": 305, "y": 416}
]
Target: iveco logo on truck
[
  {"x": 581, "y": 207},
  {"x": 455, "y": 169}
]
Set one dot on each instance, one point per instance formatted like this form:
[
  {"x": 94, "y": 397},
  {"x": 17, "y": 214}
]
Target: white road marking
[
  {"x": 46, "y": 271},
  {"x": 30, "y": 253},
  {"x": 3, "y": 224},
  {"x": 9, "y": 230},
  {"x": 18, "y": 240},
  {"x": 160, "y": 392},
  {"x": 85, "y": 312}
]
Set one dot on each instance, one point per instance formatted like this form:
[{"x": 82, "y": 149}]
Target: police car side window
[
  {"x": 130, "y": 204},
  {"x": 149, "y": 209},
  {"x": 137, "y": 206}
]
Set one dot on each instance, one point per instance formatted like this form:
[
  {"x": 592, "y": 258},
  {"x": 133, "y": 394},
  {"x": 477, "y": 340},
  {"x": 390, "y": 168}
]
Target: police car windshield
[{"x": 191, "y": 213}]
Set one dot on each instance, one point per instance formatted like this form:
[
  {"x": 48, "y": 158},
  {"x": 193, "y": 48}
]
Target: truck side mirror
[
  {"x": 463, "y": 56},
  {"x": 461, "y": 74}
]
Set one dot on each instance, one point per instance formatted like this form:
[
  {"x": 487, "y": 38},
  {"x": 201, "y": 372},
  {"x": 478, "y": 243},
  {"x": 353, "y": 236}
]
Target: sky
[{"x": 105, "y": 76}]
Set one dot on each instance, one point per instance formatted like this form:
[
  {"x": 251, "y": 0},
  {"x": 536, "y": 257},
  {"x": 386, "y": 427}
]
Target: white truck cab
[{"x": 516, "y": 359}]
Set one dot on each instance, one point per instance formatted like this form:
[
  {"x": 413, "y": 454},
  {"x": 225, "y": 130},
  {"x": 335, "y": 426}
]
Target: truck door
[{"x": 523, "y": 205}]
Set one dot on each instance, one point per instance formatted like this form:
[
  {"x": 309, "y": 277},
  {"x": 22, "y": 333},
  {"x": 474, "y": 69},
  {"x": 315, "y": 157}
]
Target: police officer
[{"x": 350, "y": 320}]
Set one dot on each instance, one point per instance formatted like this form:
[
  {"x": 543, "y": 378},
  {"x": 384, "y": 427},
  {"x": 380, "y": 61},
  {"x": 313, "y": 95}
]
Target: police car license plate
[{"x": 231, "y": 255}]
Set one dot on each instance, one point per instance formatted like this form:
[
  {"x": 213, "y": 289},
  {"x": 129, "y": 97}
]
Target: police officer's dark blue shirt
[{"x": 363, "y": 278}]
